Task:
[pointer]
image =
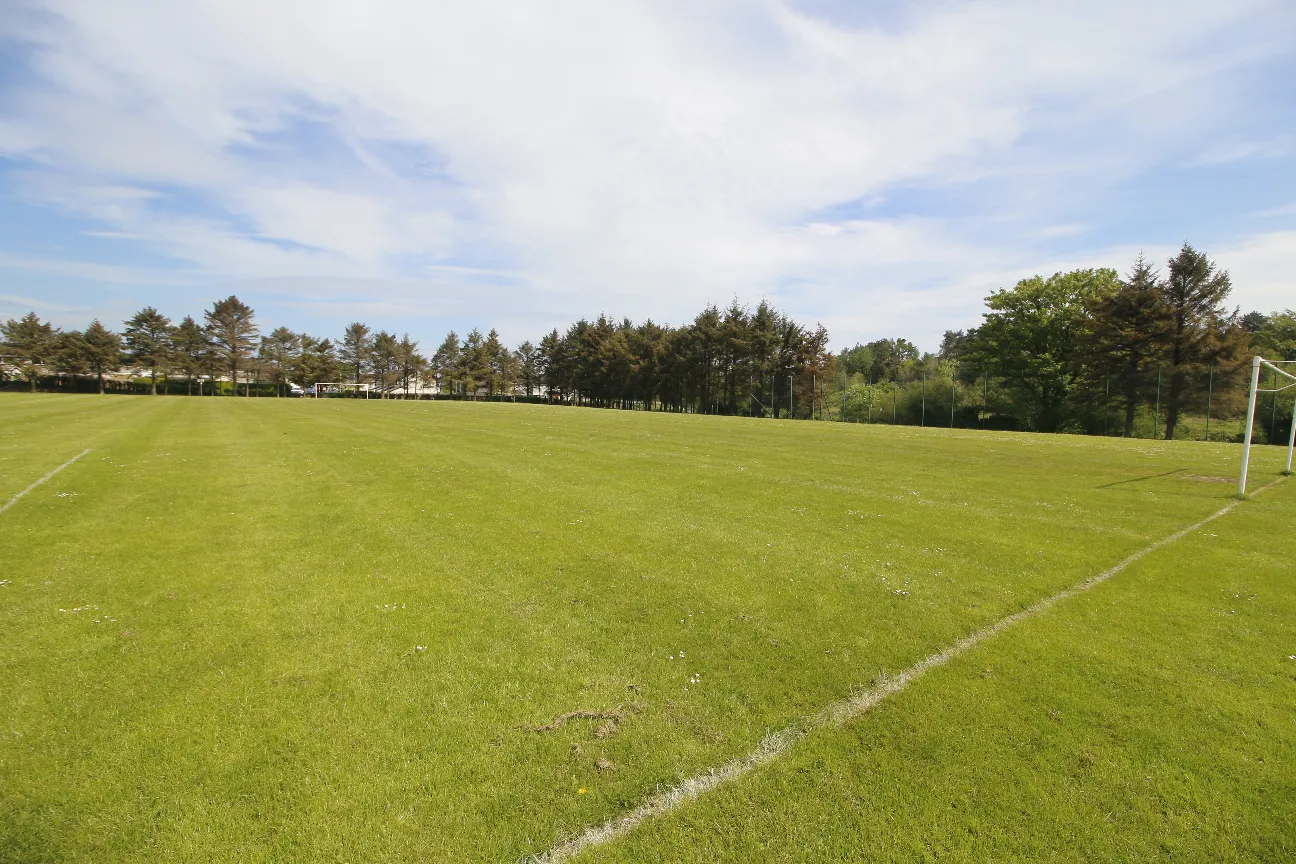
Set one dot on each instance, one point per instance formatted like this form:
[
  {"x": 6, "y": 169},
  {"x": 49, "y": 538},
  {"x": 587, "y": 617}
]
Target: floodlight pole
[{"x": 1250, "y": 416}]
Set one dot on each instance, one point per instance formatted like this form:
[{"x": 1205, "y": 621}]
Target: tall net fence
[{"x": 1195, "y": 403}]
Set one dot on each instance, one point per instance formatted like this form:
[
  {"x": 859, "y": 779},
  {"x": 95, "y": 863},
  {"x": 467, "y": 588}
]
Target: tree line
[
  {"x": 1091, "y": 351},
  {"x": 1085, "y": 351},
  {"x": 708, "y": 365}
]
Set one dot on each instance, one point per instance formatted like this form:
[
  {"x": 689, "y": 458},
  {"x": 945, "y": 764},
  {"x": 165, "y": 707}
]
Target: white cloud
[
  {"x": 1261, "y": 269},
  {"x": 637, "y": 157}
]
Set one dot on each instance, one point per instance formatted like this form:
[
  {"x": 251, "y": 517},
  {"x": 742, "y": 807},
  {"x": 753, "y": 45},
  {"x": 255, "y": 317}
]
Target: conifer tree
[{"x": 231, "y": 324}]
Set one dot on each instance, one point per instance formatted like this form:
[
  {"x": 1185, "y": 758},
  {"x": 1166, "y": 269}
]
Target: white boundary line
[
  {"x": 14, "y": 500},
  {"x": 776, "y": 744}
]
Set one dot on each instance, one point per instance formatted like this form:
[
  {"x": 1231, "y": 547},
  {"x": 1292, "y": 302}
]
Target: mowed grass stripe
[
  {"x": 42, "y": 431},
  {"x": 40, "y": 481},
  {"x": 1147, "y": 720},
  {"x": 842, "y": 711},
  {"x": 273, "y": 566}
]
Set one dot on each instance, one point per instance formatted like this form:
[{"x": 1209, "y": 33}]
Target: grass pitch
[{"x": 256, "y": 630}]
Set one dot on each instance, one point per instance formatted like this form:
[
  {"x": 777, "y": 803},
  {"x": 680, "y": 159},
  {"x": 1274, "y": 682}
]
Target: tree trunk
[
  {"x": 153, "y": 384},
  {"x": 1178, "y": 381},
  {"x": 100, "y": 376}
]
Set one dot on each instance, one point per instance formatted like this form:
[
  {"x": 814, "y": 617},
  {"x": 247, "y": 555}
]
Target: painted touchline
[
  {"x": 778, "y": 743},
  {"x": 14, "y": 500}
]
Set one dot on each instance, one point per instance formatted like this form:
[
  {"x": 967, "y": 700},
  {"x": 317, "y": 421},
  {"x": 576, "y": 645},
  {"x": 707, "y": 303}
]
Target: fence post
[
  {"x": 1210, "y": 386},
  {"x": 1273, "y": 410},
  {"x": 923, "y": 419},
  {"x": 1107, "y": 403},
  {"x": 1291, "y": 440},
  {"x": 953, "y": 394},
  {"x": 1156, "y": 414}
]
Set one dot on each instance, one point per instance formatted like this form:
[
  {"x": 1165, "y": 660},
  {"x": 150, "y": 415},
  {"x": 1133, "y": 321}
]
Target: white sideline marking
[
  {"x": 778, "y": 743},
  {"x": 14, "y": 500}
]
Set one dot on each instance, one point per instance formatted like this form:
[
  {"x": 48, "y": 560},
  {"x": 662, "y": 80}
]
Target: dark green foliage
[
  {"x": 721, "y": 363},
  {"x": 1198, "y": 330},
  {"x": 148, "y": 342},
  {"x": 29, "y": 342},
  {"x": 355, "y": 349},
  {"x": 1032, "y": 336},
  {"x": 231, "y": 325}
]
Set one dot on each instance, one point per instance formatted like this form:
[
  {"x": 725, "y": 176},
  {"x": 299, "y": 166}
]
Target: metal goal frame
[{"x": 1256, "y": 362}]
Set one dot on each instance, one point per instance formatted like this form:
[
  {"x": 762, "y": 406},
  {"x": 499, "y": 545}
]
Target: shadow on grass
[{"x": 1139, "y": 479}]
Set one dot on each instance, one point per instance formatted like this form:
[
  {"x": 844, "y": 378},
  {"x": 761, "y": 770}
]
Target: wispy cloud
[
  {"x": 16, "y": 301},
  {"x": 637, "y": 157},
  {"x": 1240, "y": 151}
]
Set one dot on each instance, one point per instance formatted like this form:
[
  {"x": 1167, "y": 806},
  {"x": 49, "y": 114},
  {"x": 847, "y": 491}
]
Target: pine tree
[
  {"x": 231, "y": 324},
  {"x": 103, "y": 350},
  {"x": 278, "y": 353},
  {"x": 191, "y": 349},
  {"x": 1198, "y": 330},
  {"x": 148, "y": 341},
  {"x": 32, "y": 342},
  {"x": 445, "y": 363},
  {"x": 382, "y": 361},
  {"x": 1126, "y": 336},
  {"x": 356, "y": 346}
]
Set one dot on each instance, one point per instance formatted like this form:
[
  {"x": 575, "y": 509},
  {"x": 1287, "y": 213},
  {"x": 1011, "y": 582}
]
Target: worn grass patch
[{"x": 255, "y": 630}]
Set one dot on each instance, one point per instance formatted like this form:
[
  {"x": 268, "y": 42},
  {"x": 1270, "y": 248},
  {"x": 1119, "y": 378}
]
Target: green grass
[{"x": 246, "y": 684}]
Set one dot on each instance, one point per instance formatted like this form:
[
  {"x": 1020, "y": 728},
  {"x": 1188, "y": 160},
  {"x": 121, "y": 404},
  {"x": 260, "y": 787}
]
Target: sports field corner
[{"x": 258, "y": 630}]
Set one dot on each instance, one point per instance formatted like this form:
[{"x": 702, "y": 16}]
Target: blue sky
[{"x": 878, "y": 167}]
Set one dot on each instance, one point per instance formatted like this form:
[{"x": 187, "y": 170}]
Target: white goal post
[{"x": 1256, "y": 363}]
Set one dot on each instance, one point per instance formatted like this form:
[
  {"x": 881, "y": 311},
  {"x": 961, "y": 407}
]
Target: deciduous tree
[{"x": 1031, "y": 337}]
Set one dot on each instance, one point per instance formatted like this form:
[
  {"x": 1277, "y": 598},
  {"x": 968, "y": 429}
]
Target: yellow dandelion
[{"x": 580, "y": 791}]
